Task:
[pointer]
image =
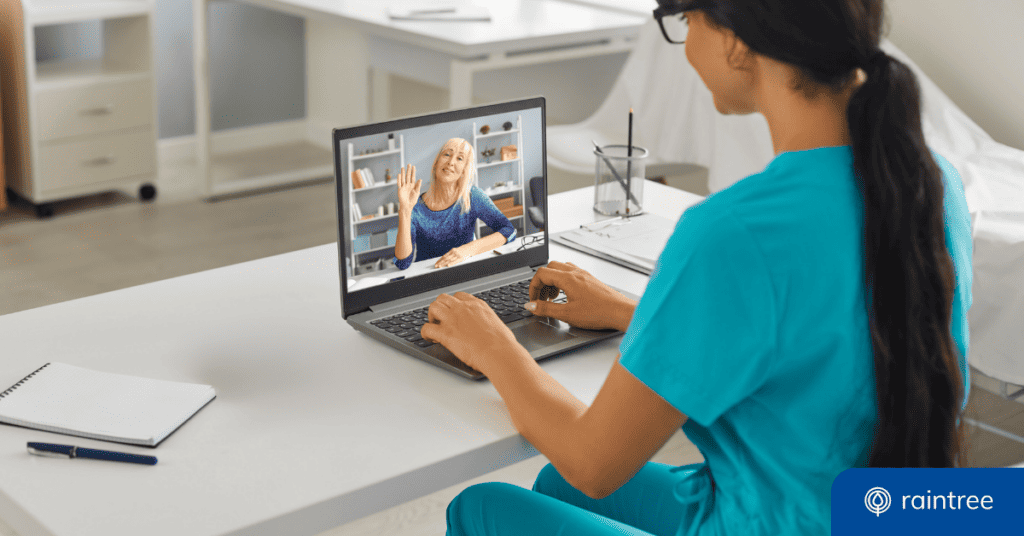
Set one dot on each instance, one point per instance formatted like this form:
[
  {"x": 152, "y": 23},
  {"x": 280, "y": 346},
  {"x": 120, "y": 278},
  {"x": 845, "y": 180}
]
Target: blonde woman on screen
[{"x": 442, "y": 222}]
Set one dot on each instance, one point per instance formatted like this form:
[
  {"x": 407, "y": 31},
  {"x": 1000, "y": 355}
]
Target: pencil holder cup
[{"x": 619, "y": 180}]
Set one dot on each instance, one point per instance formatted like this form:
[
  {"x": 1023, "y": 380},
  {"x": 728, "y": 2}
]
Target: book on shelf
[
  {"x": 368, "y": 177},
  {"x": 357, "y": 214},
  {"x": 357, "y": 180}
]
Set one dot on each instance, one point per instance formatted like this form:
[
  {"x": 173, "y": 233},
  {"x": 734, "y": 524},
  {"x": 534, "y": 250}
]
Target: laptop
[{"x": 387, "y": 298}]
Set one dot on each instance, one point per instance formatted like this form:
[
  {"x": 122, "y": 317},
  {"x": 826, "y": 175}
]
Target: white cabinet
[
  {"x": 502, "y": 180},
  {"x": 80, "y": 125}
]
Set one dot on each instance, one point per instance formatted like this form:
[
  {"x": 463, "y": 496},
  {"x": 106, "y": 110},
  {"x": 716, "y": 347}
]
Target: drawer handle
[
  {"x": 101, "y": 161},
  {"x": 99, "y": 110}
]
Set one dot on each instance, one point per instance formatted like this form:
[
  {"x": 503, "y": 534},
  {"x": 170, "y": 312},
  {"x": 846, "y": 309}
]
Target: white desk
[
  {"x": 314, "y": 424},
  {"x": 345, "y": 38},
  {"x": 419, "y": 268}
]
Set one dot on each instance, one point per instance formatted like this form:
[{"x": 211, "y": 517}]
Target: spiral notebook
[{"x": 100, "y": 405}]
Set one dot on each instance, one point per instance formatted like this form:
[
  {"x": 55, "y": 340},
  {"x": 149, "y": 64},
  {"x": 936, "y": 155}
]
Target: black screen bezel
[{"x": 361, "y": 300}]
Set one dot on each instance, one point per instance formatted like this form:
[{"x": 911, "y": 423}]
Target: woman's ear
[{"x": 737, "y": 54}]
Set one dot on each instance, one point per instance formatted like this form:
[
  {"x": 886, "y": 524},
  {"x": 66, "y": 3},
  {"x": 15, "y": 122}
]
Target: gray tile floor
[{"x": 107, "y": 242}]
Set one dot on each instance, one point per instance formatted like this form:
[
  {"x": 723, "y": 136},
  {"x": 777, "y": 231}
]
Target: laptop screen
[{"x": 478, "y": 171}]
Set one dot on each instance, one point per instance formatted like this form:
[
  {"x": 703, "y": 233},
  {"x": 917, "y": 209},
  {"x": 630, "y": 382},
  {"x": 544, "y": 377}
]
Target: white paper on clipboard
[{"x": 635, "y": 243}]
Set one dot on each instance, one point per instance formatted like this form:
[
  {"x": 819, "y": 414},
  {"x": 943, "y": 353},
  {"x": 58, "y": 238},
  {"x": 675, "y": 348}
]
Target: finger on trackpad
[{"x": 538, "y": 335}]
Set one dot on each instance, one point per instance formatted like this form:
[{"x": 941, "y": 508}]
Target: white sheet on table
[{"x": 993, "y": 176}]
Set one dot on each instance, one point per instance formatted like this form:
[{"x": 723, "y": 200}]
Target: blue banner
[{"x": 878, "y": 502}]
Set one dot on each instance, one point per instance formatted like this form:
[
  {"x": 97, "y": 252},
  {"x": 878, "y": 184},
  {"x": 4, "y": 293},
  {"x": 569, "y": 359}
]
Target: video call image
[{"x": 425, "y": 199}]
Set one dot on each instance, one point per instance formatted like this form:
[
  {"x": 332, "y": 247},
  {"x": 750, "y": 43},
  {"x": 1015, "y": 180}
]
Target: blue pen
[{"x": 70, "y": 451}]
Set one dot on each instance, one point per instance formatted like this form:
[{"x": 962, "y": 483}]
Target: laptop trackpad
[{"x": 539, "y": 335}]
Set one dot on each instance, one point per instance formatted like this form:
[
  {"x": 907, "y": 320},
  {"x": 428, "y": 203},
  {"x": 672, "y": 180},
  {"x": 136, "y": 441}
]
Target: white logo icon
[{"x": 877, "y": 500}]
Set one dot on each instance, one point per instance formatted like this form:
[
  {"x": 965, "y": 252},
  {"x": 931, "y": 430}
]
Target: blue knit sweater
[{"x": 436, "y": 232}]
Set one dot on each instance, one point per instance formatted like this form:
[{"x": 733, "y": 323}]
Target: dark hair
[{"x": 909, "y": 278}]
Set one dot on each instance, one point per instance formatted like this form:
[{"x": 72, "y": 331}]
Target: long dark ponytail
[{"x": 909, "y": 278}]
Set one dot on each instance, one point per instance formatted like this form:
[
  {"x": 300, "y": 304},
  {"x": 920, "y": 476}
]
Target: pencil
[{"x": 629, "y": 163}]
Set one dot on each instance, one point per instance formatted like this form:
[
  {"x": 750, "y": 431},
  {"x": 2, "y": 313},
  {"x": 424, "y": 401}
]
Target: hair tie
[{"x": 878, "y": 62}]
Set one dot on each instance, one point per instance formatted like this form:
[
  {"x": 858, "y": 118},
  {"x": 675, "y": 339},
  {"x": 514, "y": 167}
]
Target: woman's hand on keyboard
[
  {"x": 590, "y": 304},
  {"x": 471, "y": 330}
]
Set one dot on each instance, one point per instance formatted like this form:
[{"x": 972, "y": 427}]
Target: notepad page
[
  {"x": 636, "y": 242},
  {"x": 117, "y": 407}
]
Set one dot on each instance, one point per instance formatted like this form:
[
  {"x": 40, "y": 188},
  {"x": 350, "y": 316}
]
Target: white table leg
[{"x": 201, "y": 66}]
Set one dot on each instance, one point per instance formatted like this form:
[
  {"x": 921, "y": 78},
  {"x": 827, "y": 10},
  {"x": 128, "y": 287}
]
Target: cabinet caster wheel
[
  {"x": 147, "y": 192},
  {"x": 44, "y": 210}
]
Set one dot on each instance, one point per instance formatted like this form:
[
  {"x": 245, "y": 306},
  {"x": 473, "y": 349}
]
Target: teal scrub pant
[{"x": 658, "y": 500}]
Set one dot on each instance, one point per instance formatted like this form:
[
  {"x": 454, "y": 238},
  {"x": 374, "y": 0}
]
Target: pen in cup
[
  {"x": 615, "y": 174},
  {"x": 629, "y": 163}
]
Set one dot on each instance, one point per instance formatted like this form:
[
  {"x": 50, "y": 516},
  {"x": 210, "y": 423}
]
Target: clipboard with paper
[{"x": 635, "y": 242}]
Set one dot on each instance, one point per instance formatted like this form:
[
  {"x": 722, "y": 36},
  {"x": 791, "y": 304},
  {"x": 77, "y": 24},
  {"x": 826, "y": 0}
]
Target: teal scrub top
[{"x": 754, "y": 325}]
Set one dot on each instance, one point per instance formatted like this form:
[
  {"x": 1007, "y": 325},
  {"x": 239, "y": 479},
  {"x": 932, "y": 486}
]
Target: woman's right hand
[
  {"x": 590, "y": 304},
  {"x": 408, "y": 188}
]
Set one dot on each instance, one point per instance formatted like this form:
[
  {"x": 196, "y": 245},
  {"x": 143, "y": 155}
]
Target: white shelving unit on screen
[
  {"x": 364, "y": 254},
  {"x": 515, "y": 183},
  {"x": 83, "y": 124}
]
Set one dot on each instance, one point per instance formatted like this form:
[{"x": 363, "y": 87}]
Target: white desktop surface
[
  {"x": 514, "y": 24},
  {"x": 314, "y": 424}
]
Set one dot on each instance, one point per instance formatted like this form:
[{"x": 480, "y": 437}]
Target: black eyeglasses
[
  {"x": 672, "y": 19},
  {"x": 529, "y": 241}
]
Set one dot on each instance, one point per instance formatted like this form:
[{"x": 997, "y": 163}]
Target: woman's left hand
[
  {"x": 470, "y": 329},
  {"x": 453, "y": 257}
]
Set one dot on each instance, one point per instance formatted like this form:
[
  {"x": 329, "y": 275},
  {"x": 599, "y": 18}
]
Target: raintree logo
[
  {"x": 877, "y": 500},
  {"x": 925, "y": 500}
]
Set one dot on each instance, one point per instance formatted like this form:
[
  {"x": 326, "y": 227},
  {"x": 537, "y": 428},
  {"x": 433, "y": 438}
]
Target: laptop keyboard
[{"x": 507, "y": 302}]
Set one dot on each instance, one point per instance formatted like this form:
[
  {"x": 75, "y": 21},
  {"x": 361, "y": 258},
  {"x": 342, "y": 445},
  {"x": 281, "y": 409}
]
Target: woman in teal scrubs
[{"x": 808, "y": 319}]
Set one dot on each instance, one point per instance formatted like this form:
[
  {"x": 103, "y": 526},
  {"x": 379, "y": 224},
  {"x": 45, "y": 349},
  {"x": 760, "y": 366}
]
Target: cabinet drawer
[
  {"x": 96, "y": 160},
  {"x": 93, "y": 108}
]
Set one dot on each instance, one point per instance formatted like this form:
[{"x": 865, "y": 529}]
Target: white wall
[{"x": 974, "y": 51}]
